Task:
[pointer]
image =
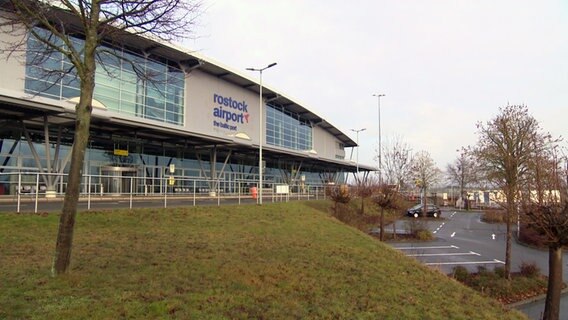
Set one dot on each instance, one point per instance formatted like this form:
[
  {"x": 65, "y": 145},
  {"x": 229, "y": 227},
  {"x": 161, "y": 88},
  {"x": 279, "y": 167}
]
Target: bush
[
  {"x": 499, "y": 271},
  {"x": 412, "y": 226},
  {"x": 531, "y": 237},
  {"x": 460, "y": 273},
  {"x": 424, "y": 235},
  {"x": 418, "y": 229},
  {"x": 482, "y": 271},
  {"x": 493, "y": 216},
  {"x": 340, "y": 194},
  {"x": 529, "y": 270},
  {"x": 494, "y": 284}
]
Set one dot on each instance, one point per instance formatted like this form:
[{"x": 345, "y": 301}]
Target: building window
[
  {"x": 286, "y": 129},
  {"x": 127, "y": 83}
]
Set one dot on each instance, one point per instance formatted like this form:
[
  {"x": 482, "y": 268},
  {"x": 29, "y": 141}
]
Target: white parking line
[
  {"x": 495, "y": 261},
  {"x": 421, "y": 248},
  {"x": 471, "y": 253}
]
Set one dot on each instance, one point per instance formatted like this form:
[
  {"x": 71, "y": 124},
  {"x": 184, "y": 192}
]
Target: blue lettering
[
  {"x": 240, "y": 115},
  {"x": 217, "y": 112}
]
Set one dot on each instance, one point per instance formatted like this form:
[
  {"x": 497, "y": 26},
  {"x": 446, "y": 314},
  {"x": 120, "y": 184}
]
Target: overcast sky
[{"x": 443, "y": 65}]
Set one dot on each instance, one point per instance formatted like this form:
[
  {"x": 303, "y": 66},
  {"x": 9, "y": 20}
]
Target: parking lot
[
  {"x": 461, "y": 239},
  {"x": 449, "y": 256}
]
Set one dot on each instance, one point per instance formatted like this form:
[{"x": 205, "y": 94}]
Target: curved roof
[{"x": 190, "y": 60}]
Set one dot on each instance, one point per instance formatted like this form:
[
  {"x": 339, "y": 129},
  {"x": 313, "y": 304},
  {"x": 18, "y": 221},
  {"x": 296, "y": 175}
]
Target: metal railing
[{"x": 30, "y": 187}]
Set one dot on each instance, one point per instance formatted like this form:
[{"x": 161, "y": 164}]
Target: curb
[{"x": 518, "y": 304}]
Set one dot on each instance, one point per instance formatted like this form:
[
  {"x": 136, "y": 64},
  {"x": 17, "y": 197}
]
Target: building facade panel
[
  {"x": 13, "y": 69},
  {"x": 326, "y": 145},
  {"x": 219, "y": 108}
]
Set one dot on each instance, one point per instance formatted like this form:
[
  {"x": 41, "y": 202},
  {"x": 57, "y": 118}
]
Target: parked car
[{"x": 431, "y": 211}]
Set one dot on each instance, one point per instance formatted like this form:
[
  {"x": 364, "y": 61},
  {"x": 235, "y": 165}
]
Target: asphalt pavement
[{"x": 462, "y": 239}]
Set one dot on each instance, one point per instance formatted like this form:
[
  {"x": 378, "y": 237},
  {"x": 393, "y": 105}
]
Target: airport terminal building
[{"x": 194, "y": 129}]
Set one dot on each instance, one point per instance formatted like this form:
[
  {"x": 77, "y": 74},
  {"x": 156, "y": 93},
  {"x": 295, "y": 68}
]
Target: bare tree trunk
[
  {"x": 552, "y": 303},
  {"x": 424, "y": 204},
  {"x": 382, "y": 225},
  {"x": 67, "y": 219},
  {"x": 508, "y": 245},
  {"x": 511, "y": 205},
  {"x": 62, "y": 259}
]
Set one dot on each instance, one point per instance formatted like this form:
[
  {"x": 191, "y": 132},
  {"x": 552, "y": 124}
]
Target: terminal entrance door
[{"x": 117, "y": 180}]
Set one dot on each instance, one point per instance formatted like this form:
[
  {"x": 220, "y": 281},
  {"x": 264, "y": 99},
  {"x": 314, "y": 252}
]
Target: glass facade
[
  {"x": 287, "y": 129},
  {"x": 126, "y": 82}
]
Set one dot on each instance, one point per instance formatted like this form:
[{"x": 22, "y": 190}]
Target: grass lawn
[{"x": 278, "y": 261}]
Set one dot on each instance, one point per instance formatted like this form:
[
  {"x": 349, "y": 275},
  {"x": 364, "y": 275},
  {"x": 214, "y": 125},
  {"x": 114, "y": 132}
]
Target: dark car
[{"x": 432, "y": 211}]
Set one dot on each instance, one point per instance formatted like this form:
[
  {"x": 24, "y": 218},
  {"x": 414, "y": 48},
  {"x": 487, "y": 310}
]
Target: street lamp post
[
  {"x": 260, "y": 121},
  {"x": 379, "y": 95},
  {"x": 357, "y": 141}
]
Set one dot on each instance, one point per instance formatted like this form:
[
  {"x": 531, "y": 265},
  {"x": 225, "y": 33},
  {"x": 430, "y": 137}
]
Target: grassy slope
[{"x": 279, "y": 261}]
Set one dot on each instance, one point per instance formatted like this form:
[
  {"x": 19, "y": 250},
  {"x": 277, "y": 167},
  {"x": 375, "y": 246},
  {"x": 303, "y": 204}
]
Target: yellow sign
[
  {"x": 120, "y": 152},
  {"x": 171, "y": 181}
]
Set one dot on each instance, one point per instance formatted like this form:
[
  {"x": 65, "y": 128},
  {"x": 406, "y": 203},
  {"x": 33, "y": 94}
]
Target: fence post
[
  {"x": 89, "y": 193},
  {"x": 36, "y": 192},
  {"x": 218, "y": 192},
  {"x": 131, "y": 192},
  {"x": 165, "y": 192},
  {"x": 19, "y": 190},
  {"x": 194, "y": 186}
]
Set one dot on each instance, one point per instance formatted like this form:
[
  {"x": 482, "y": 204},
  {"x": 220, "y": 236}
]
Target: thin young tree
[
  {"x": 545, "y": 207},
  {"x": 397, "y": 161},
  {"x": 387, "y": 197},
  {"x": 56, "y": 26},
  {"x": 503, "y": 152},
  {"x": 340, "y": 195},
  {"x": 425, "y": 174},
  {"x": 365, "y": 188},
  {"x": 463, "y": 172}
]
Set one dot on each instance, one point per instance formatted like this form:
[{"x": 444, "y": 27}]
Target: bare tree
[
  {"x": 545, "y": 206},
  {"x": 425, "y": 174},
  {"x": 463, "y": 172},
  {"x": 56, "y": 26},
  {"x": 365, "y": 188},
  {"x": 387, "y": 197},
  {"x": 339, "y": 195},
  {"x": 503, "y": 151},
  {"x": 397, "y": 161}
]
